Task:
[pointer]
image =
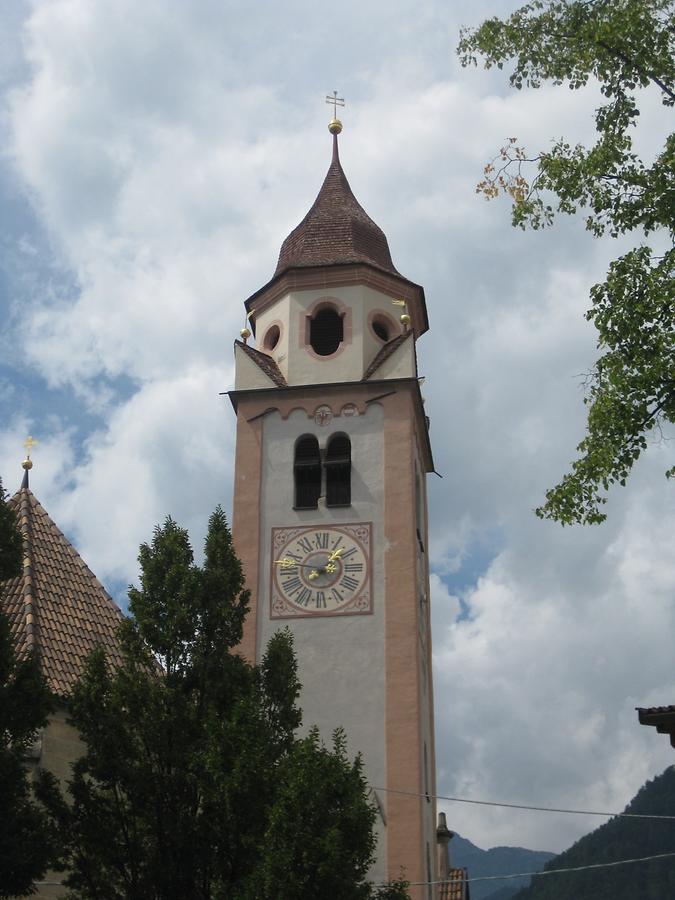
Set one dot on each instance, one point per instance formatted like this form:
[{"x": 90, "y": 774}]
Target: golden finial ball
[
  {"x": 405, "y": 319},
  {"x": 245, "y": 334},
  {"x": 27, "y": 463},
  {"x": 335, "y": 126}
]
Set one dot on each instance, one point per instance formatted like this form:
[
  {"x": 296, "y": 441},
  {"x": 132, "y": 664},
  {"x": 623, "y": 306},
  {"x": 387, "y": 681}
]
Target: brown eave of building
[{"x": 660, "y": 717}]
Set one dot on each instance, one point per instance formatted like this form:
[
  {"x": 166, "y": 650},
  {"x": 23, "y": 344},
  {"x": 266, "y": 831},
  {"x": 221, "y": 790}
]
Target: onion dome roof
[{"x": 336, "y": 230}]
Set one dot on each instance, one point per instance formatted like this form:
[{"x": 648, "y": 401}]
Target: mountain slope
[
  {"x": 615, "y": 840},
  {"x": 496, "y": 861}
]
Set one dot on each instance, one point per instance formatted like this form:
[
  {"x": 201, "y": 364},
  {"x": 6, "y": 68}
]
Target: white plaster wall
[
  {"x": 300, "y": 366},
  {"x": 341, "y": 659},
  {"x": 277, "y": 313},
  {"x": 247, "y": 374}
]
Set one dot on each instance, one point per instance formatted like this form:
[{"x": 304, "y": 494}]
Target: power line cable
[
  {"x": 575, "y": 812},
  {"x": 618, "y": 862}
]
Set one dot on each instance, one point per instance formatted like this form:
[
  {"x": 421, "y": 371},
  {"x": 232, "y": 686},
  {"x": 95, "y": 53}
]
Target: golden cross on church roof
[
  {"x": 336, "y": 101},
  {"x": 29, "y": 443}
]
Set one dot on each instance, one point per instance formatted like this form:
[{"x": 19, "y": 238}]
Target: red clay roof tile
[{"x": 57, "y": 607}]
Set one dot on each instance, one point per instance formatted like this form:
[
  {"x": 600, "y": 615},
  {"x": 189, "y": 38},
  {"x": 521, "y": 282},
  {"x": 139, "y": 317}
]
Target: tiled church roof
[
  {"x": 57, "y": 607},
  {"x": 336, "y": 230}
]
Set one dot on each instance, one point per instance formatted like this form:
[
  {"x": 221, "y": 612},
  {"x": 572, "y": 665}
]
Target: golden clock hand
[
  {"x": 336, "y": 554},
  {"x": 287, "y": 563}
]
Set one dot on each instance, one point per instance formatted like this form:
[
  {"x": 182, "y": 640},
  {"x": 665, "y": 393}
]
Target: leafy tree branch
[{"x": 623, "y": 46}]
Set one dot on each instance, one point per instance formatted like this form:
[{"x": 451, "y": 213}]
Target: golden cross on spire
[
  {"x": 28, "y": 462},
  {"x": 29, "y": 444},
  {"x": 336, "y": 101}
]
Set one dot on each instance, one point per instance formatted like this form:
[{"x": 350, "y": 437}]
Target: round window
[
  {"x": 382, "y": 328},
  {"x": 271, "y": 338}
]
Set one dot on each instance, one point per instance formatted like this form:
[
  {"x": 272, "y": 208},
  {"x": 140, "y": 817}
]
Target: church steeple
[
  {"x": 336, "y": 230},
  {"x": 57, "y": 608},
  {"x": 337, "y": 244},
  {"x": 329, "y": 515}
]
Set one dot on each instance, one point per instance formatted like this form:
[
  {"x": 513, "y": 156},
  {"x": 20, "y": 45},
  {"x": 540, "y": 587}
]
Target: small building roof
[
  {"x": 264, "y": 362},
  {"x": 660, "y": 717},
  {"x": 336, "y": 230},
  {"x": 57, "y": 607},
  {"x": 385, "y": 352},
  {"x": 455, "y": 887}
]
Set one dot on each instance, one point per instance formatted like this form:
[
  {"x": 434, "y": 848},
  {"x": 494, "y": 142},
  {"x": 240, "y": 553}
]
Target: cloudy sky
[{"x": 154, "y": 157}]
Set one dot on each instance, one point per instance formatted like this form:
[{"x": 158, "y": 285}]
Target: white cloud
[{"x": 167, "y": 451}]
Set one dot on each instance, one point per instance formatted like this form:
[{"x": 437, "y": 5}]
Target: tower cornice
[
  {"x": 285, "y": 399},
  {"x": 317, "y": 277}
]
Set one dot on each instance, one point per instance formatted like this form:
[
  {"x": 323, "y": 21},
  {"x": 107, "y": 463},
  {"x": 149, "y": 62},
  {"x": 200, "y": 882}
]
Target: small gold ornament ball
[
  {"x": 27, "y": 464},
  {"x": 245, "y": 333},
  {"x": 335, "y": 126},
  {"x": 405, "y": 319}
]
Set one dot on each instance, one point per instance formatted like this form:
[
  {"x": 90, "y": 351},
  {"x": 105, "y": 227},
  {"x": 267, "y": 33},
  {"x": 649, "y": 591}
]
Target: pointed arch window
[
  {"x": 338, "y": 471},
  {"x": 307, "y": 472}
]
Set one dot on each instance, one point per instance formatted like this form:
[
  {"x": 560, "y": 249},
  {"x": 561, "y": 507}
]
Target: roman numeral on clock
[
  {"x": 348, "y": 582},
  {"x": 292, "y": 585}
]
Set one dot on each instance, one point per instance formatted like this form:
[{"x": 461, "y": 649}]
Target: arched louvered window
[
  {"x": 338, "y": 471},
  {"x": 307, "y": 473},
  {"x": 326, "y": 331}
]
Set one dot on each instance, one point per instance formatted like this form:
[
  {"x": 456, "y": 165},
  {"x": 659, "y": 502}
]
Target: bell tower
[{"x": 330, "y": 507}]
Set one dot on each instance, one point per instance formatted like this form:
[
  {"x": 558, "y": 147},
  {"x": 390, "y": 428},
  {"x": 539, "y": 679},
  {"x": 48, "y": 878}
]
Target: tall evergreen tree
[
  {"x": 25, "y": 846},
  {"x": 193, "y": 783},
  {"x": 10, "y": 540}
]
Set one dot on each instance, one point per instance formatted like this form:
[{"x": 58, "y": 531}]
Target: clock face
[{"x": 321, "y": 571}]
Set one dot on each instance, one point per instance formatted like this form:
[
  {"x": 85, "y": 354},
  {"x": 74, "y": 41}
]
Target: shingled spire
[
  {"x": 336, "y": 230},
  {"x": 57, "y": 607}
]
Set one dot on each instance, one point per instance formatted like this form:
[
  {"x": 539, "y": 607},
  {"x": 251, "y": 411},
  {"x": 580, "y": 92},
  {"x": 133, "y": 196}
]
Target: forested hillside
[
  {"x": 496, "y": 861},
  {"x": 615, "y": 840}
]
